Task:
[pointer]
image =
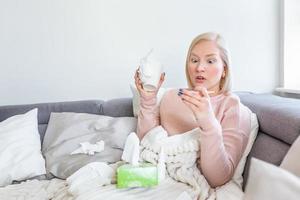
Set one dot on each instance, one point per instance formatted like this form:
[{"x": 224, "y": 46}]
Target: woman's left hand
[{"x": 199, "y": 102}]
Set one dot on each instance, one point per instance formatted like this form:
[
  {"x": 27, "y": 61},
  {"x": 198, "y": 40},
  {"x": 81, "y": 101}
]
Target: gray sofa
[{"x": 279, "y": 120}]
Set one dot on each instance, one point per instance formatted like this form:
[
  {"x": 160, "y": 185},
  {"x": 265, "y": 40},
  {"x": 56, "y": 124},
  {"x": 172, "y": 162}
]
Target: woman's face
[{"x": 205, "y": 66}]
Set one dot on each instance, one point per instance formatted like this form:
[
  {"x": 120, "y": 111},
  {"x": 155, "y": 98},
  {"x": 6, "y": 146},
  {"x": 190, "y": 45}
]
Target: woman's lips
[{"x": 200, "y": 79}]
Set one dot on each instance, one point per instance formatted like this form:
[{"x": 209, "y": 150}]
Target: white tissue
[
  {"x": 150, "y": 71},
  {"x": 88, "y": 148},
  {"x": 89, "y": 177},
  {"x": 131, "y": 151}
]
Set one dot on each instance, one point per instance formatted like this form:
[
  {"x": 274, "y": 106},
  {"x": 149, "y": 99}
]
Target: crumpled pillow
[{"x": 66, "y": 131}]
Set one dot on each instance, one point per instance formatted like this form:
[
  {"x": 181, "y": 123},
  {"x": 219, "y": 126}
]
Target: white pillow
[
  {"x": 267, "y": 181},
  {"x": 20, "y": 148},
  {"x": 233, "y": 188},
  {"x": 291, "y": 160},
  {"x": 67, "y": 130},
  {"x": 136, "y": 98},
  {"x": 237, "y": 177}
]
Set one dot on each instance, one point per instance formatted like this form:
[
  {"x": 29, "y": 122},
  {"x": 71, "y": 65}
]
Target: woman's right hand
[{"x": 139, "y": 85}]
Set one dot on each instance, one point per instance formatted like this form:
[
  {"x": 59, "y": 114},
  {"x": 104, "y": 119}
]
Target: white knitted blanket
[{"x": 180, "y": 153}]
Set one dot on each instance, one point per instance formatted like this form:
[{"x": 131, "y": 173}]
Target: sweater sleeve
[
  {"x": 223, "y": 145},
  {"x": 148, "y": 116}
]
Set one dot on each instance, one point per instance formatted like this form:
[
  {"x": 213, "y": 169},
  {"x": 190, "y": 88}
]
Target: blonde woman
[{"x": 207, "y": 103}]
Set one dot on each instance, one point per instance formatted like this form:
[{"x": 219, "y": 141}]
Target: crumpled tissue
[
  {"x": 90, "y": 177},
  {"x": 89, "y": 149}
]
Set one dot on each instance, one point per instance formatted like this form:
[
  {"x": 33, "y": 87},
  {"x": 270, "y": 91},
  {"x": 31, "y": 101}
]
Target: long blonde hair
[{"x": 225, "y": 83}]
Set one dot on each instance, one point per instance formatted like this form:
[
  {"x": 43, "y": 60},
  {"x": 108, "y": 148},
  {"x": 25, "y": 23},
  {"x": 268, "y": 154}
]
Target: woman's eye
[
  {"x": 211, "y": 61},
  {"x": 193, "y": 60}
]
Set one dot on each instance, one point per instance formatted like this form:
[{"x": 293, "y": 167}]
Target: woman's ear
[{"x": 224, "y": 72}]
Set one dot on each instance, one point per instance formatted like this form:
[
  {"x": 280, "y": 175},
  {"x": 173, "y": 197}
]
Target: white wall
[
  {"x": 58, "y": 50},
  {"x": 291, "y": 44}
]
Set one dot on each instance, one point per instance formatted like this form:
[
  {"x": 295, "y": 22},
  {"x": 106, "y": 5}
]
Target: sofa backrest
[
  {"x": 278, "y": 117},
  {"x": 279, "y": 126},
  {"x": 115, "y": 108}
]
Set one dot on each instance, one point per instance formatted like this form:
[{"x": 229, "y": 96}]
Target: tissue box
[{"x": 143, "y": 175}]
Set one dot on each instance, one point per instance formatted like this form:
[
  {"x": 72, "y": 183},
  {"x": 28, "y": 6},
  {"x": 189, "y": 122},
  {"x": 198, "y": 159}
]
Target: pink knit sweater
[{"x": 221, "y": 147}]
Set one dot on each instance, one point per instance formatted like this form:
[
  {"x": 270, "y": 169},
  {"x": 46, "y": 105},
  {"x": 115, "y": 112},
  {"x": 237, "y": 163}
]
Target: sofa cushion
[
  {"x": 67, "y": 130},
  {"x": 278, "y": 116},
  {"x": 267, "y": 181},
  {"x": 266, "y": 148},
  {"x": 291, "y": 159}
]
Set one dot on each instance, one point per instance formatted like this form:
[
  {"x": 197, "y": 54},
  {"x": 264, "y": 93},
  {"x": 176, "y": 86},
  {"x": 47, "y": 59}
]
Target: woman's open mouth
[{"x": 200, "y": 79}]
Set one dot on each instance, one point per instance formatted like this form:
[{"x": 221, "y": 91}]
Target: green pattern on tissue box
[{"x": 143, "y": 175}]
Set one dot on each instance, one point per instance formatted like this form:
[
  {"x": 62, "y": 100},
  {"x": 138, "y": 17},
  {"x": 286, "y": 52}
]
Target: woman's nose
[{"x": 200, "y": 67}]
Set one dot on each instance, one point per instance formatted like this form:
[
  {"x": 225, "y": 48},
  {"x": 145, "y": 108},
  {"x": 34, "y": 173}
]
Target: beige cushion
[
  {"x": 291, "y": 160},
  {"x": 238, "y": 174},
  {"x": 66, "y": 131},
  {"x": 267, "y": 181}
]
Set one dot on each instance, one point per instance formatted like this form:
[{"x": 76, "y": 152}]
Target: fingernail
[
  {"x": 180, "y": 90},
  {"x": 179, "y": 93}
]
